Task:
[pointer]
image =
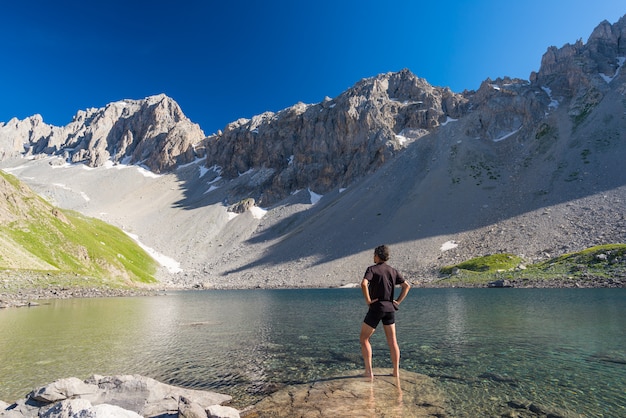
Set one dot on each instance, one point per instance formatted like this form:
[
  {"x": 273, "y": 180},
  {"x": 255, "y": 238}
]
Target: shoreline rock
[
  {"x": 120, "y": 396},
  {"x": 350, "y": 395}
]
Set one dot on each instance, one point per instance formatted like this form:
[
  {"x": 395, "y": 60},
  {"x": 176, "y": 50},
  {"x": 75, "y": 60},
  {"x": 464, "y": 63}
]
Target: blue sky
[{"x": 222, "y": 60}]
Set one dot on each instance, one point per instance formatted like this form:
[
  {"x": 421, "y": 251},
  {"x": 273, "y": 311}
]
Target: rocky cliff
[
  {"x": 152, "y": 132},
  {"x": 330, "y": 144}
]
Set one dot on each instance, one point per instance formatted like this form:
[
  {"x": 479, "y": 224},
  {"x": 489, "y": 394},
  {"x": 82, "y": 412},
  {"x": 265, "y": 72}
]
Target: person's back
[{"x": 382, "y": 280}]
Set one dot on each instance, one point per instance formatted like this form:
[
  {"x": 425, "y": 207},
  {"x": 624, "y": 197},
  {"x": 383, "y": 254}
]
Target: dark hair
[{"x": 382, "y": 251}]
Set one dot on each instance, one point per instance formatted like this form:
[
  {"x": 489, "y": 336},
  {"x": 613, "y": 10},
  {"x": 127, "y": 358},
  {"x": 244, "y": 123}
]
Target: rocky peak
[
  {"x": 329, "y": 144},
  {"x": 153, "y": 132},
  {"x": 574, "y": 69}
]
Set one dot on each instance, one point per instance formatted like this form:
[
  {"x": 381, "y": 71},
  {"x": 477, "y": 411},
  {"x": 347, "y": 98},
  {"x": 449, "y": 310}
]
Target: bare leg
[
  {"x": 366, "y": 348},
  {"x": 394, "y": 349}
]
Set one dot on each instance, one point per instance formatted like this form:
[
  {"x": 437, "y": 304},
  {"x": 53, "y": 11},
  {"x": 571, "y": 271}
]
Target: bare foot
[{"x": 369, "y": 376}]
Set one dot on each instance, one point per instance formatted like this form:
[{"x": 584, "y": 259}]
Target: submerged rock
[{"x": 351, "y": 395}]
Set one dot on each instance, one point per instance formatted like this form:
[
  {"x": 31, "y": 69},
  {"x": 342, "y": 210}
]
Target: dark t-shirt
[{"x": 382, "y": 279}]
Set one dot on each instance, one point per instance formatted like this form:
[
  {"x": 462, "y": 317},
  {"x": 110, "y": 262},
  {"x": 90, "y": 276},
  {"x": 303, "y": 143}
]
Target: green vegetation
[
  {"x": 65, "y": 244},
  {"x": 596, "y": 259},
  {"x": 595, "y": 263},
  {"x": 488, "y": 263},
  {"x": 585, "y": 155},
  {"x": 543, "y": 130},
  {"x": 477, "y": 171},
  {"x": 585, "y": 106}
]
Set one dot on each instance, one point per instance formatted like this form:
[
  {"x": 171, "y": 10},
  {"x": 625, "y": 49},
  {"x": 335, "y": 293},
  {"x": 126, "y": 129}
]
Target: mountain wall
[{"x": 331, "y": 144}]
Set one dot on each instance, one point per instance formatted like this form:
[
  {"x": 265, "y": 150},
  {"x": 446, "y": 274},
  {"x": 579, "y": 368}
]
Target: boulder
[
  {"x": 189, "y": 409},
  {"x": 63, "y": 389},
  {"x": 147, "y": 396},
  {"x": 127, "y": 396},
  {"x": 221, "y": 411},
  {"x": 106, "y": 411},
  {"x": 69, "y": 408}
]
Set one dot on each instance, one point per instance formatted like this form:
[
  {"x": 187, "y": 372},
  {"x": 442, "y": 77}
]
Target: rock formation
[
  {"x": 331, "y": 144},
  {"x": 120, "y": 396},
  {"x": 153, "y": 132}
]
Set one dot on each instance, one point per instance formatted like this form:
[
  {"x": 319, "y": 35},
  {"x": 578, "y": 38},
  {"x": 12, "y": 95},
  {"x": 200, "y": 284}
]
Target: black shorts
[{"x": 374, "y": 317}]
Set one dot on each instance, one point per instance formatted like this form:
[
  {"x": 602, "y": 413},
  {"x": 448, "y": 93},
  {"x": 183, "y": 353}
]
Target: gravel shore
[{"x": 28, "y": 288}]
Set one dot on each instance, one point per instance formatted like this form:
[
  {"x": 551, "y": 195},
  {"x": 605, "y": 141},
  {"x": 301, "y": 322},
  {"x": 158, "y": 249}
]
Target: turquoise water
[{"x": 561, "y": 348}]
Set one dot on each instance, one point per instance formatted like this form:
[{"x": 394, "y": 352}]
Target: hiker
[{"x": 378, "y": 289}]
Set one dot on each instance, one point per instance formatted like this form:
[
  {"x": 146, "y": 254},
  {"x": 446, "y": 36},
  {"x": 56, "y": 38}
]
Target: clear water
[{"x": 561, "y": 348}]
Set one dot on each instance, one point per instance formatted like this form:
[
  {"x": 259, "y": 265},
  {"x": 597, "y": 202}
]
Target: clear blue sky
[{"x": 222, "y": 60}]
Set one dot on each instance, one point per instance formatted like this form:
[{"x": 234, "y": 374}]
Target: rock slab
[{"x": 351, "y": 395}]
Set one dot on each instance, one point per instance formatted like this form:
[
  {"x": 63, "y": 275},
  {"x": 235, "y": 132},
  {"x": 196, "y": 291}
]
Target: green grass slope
[
  {"x": 34, "y": 235},
  {"x": 599, "y": 266}
]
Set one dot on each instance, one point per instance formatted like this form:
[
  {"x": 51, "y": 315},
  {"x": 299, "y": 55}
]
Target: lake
[{"x": 562, "y": 348}]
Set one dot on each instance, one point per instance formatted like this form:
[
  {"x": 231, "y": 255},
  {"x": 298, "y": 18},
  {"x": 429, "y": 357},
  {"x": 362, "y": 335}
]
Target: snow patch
[
  {"x": 406, "y": 102},
  {"x": 203, "y": 171},
  {"x": 314, "y": 197},
  {"x": 144, "y": 171},
  {"x": 402, "y": 139},
  {"x": 216, "y": 179},
  {"x": 506, "y": 135},
  {"x": 195, "y": 161},
  {"x": 61, "y": 186},
  {"x": 257, "y": 212},
  {"x": 449, "y": 245},
  {"x": 169, "y": 263},
  {"x": 553, "y": 103},
  {"x": 448, "y": 120},
  {"x": 410, "y": 134},
  {"x": 620, "y": 62},
  {"x": 290, "y": 160},
  {"x": 250, "y": 170}
]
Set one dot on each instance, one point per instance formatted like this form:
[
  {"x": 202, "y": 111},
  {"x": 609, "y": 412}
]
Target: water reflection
[{"x": 456, "y": 313}]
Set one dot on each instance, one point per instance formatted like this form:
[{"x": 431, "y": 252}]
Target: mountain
[
  {"x": 39, "y": 236},
  {"x": 152, "y": 132},
  {"x": 302, "y": 196}
]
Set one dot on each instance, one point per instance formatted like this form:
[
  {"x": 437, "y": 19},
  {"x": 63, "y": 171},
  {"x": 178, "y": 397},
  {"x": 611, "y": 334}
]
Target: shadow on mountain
[{"x": 428, "y": 192}]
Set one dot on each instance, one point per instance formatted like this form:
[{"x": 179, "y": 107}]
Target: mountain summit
[
  {"x": 300, "y": 197},
  {"x": 152, "y": 132}
]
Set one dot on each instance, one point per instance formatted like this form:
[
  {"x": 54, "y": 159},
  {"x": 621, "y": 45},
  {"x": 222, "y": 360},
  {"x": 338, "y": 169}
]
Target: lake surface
[{"x": 562, "y": 348}]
